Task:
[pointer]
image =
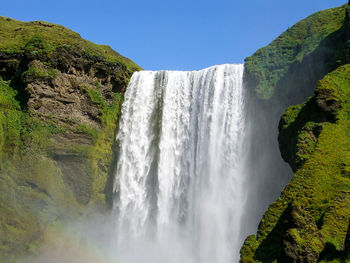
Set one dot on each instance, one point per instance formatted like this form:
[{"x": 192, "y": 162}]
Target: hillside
[
  {"x": 60, "y": 99},
  {"x": 310, "y": 220},
  {"x": 289, "y": 68}
]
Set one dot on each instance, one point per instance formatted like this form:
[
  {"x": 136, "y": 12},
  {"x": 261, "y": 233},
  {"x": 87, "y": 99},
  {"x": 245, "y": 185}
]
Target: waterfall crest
[{"x": 181, "y": 166}]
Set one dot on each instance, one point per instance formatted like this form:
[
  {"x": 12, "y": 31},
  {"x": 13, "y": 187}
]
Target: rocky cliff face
[
  {"x": 310, "y": 220},
  {"x": 60, "y": 99}
]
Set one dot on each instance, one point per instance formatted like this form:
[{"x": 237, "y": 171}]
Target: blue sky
[{"x": 178, "y": 35}]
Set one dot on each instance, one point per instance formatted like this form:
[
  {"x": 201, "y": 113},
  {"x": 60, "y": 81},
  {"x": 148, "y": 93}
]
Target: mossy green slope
[
  {"x": 298, "y": 58},
  {"x": 42, "y": 39},
  {"x": 60, "y": 100},
  {"x": 310, "y": 221}
]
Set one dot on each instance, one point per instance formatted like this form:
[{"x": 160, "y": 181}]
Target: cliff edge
[
  {"x": 308, "y": 65},
  {"x": 60, "y": 100}
]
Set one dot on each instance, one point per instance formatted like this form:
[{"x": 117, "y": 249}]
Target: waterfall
[{"x": 181, "y": 167}]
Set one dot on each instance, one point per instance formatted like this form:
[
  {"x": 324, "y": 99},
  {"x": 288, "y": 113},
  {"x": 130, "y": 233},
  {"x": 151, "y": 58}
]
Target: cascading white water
[{"x": 181, "y": 167}]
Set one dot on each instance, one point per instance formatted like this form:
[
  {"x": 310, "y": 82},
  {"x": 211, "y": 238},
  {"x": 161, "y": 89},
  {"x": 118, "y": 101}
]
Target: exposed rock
[{"x": 327, "y": 103}]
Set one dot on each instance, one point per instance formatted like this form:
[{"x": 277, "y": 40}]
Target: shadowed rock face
[
  {"x": 60, "y": 101},
  {"x": 327, "y": 104}
]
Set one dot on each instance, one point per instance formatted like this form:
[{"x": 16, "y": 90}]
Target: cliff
[
  {"x": 288, "y": 69},
  {"x": 308, "y": 65},
  {"x": 60, "y": 99}
]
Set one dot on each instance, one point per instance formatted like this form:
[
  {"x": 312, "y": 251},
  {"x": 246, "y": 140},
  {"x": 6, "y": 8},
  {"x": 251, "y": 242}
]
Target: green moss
[
  {"x": 10, "y": 121},
  {"x": 95, "y": 96},
  {"x": 298, "y": 143},
  {"x": 53, "y": 169},
  {"x": 7, "y": 96},
  {"x": 315, "y": 223},
  {"x": 36, "y": 73},
  {"x": 102, "y": 154},
  {"x": 33, "y": 195},
  {"x": 305, "y": 45},
  {"x": 248, "y": 249},
  {"x": 91, "y": 132},
  {"x": 41, "y": 39},
  {"x": 32, "y": 188}
]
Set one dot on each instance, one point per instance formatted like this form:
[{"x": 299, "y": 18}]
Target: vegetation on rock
[
  {"x": 42, "y": 40},
  {"x": 294, "y": 62},
  {"x": 310, "y": 222},
  {"x": 60, "y": 100}
]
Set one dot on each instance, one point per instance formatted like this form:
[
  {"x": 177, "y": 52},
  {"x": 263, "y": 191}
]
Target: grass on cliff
[
  {"x": 311, "y": 218},
  {"x": 18, "y": 130},
  {"x": 266, "y": 67},
  {"x": 33, "y": 193},
  {"x": 51, "y": 168},
  {"x": 101, "y": 153},
  {"x": 42, "y": 39}
]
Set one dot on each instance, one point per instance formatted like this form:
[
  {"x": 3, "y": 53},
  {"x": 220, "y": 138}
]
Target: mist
[{"x": 267, "y": 172}]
